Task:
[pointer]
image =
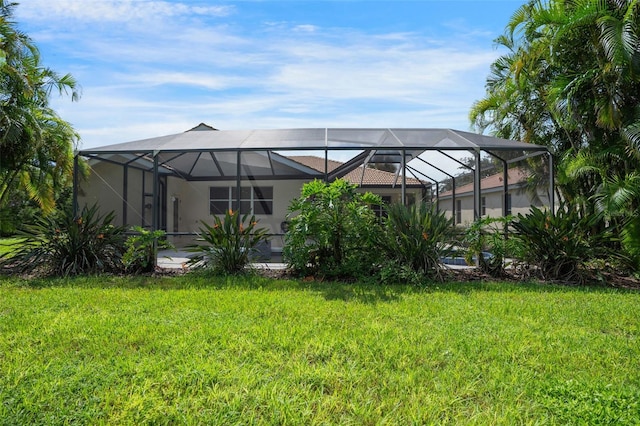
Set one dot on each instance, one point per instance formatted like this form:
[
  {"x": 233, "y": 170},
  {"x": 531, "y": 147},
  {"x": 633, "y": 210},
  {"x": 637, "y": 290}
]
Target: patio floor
[{"x": 177, "y": 259}]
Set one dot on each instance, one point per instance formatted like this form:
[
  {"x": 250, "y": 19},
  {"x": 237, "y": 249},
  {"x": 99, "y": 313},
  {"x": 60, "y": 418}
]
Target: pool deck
[{"x": 177, "y": 259}]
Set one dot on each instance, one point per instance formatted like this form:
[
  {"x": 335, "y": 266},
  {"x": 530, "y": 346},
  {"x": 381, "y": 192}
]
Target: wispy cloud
[
  {"x": 154, "y": 67},
  {"x": 115, "y": 10}
]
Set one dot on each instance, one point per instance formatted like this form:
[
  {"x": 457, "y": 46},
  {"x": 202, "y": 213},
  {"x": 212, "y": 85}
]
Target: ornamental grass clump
[
  {"x": 418, "y": 237},
  {"x": 64, "y": 245},
  {"x": 228, "y": 244}
]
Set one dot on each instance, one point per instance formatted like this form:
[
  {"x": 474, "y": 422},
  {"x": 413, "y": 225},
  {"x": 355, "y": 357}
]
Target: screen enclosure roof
[
  {"x": 204, "y": 153},
  {"x": 203, "y": 139}
]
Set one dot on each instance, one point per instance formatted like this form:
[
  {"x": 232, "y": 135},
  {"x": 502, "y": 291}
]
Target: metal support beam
[
  {"x": 404, "y": 177},
  {"x": 155, "y": 214},
  {"x": 125, "y": 193},
  {"x": 455, "y": 159},
  {"x": 326, "y": 155},
  {"x": 414, "y": 172},
  {"x": 477, "y": 190},
  {"x": 527, "y": 156},
  {"x": 156, "y": 207},
  {"x": 142, "y": 199},
  {"x": 453, "y": 185},
  {"x": 453, "y": 198},
  {"x": 505, "y": 188},
  {"x": 238, "y": 182},
  {"x": 76, "y": 170}
]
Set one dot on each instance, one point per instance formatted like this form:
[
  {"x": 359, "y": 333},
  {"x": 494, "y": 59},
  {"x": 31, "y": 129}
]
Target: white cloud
[
  {"x": 114, "y": 10},
  {"x": 156, "y": 67}
]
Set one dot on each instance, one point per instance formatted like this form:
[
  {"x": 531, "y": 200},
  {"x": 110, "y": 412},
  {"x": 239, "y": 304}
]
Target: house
[
  {"x": 494, "y": 201},
  {"x": 270, "y": 181},
  {"x": 174, "y": 182}
]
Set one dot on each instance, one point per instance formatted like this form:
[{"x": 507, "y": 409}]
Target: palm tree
[
  {"x": 571, "y": 81},
  {"x": 36, "y": 145}
]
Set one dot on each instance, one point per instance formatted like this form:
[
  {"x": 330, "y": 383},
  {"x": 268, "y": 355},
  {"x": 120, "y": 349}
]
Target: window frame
[{"x": 250, "y": 196}]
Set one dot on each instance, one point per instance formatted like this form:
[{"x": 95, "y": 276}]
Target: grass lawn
[{"x": 199, "y": 350}]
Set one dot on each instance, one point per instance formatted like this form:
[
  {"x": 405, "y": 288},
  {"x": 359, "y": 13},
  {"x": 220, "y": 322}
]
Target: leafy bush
[
  {"x": 142, "y": 249},
  {"x": 70, "y": 245},
  {"x": 418, "y": 236},
  {"x": 333, "y": 232},
  {"x": 13, "y": 215},
  {"x": 488, "y": 235},
  {"x": 630, "y": 242},
  {"x": 229, "y": 243},
  {"x": 394, "y": 272},
  {"x": 557, "y": 244}
]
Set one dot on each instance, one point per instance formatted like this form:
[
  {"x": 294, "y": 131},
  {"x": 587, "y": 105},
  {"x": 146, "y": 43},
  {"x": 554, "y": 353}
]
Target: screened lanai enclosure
[{"x": 173, "y": 182}]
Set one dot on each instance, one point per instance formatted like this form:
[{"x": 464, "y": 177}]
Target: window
[
  {"x": 379, "y": 209},
  {"x": 253, "y": 199},
  {"x": 508, "y": 209},
  {"x": 483, "y": 206},
  {"x": 458, "y": 211}
]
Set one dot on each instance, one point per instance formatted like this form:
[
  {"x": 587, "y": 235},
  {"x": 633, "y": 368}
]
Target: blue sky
[{"x": 149, "y": 67}]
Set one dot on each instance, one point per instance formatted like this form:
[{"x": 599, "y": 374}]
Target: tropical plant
[
  {"x": 142, "y": 249},
  {"x": 65, "y": 245},
  {"x": 36, "y": 144},
  {"x": 228, "y": 244},
  {"x": 557, "y": 246},
  {"x": 333, "y": 231},
  {"x": 570, "y": 80},
  {"x": 418, "y": 236},
  {"x": 487, "y": 242},
  {"x": 393, "y": 272}
]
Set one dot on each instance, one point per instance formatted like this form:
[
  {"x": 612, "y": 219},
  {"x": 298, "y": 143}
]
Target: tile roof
[
  {"x": 514, "y": 177},
  {"x": 372, "y": 177}
]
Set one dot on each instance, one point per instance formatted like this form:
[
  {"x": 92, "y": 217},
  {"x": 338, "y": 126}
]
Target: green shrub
[
  {"x": 13, "y": 215},
  {"x": 142, "y": 249},
  {"x": 333, "y": 232},
  {"x": 418, "y": 236},
  {"x": 490, "y": 235},
  {"x": 229, "y": 243},
  {"x": 557, "y": 245},
  {"x": 66, "y": 245},
  {"x": 393, "y": 272},
  {"x": 630, "y": 242}
]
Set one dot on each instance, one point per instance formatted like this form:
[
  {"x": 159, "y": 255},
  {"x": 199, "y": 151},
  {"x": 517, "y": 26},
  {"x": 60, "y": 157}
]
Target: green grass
[{"x": 200, "y": 350}]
